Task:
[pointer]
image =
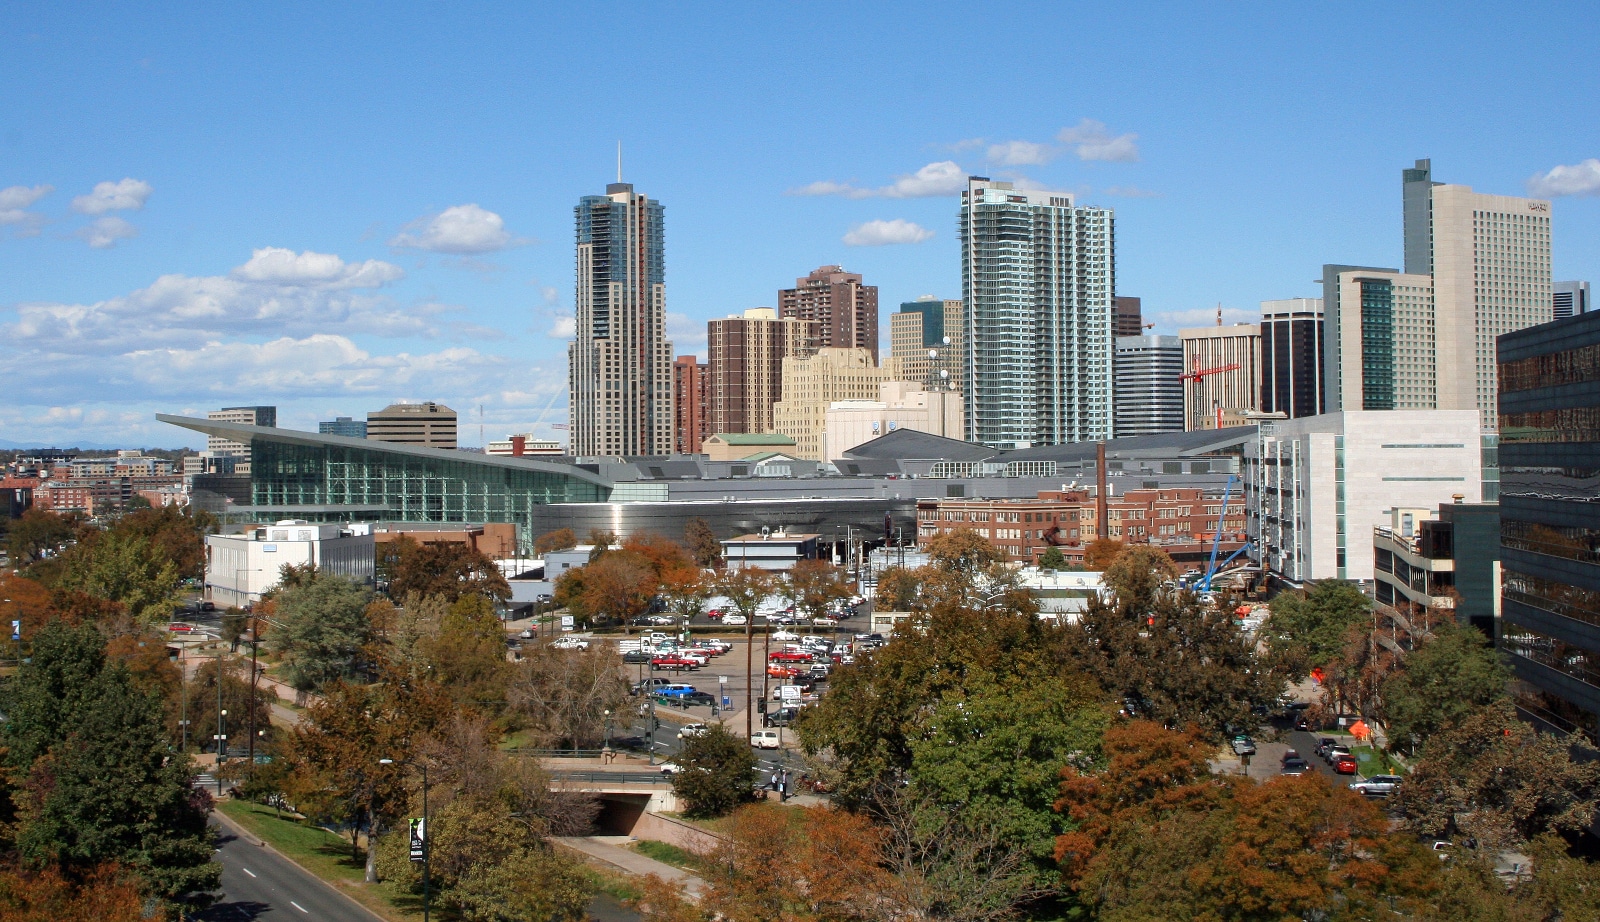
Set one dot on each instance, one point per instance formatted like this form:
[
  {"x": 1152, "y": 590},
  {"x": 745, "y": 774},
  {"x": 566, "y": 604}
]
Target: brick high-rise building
[
  {"x": 845, "y": 309},
  {"x": 1130, "y": 317},
  {"x": 691, "y": 404},
  {"x": 745, "y": 367}
]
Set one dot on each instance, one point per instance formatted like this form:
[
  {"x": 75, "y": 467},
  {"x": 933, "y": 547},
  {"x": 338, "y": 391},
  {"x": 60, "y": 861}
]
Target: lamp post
[
  {"x": 427, "y": 882},
  {"x": 608, "y": 729}
]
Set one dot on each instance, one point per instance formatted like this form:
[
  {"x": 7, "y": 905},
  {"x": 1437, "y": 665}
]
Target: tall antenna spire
[{"x": 619, "y": 161}]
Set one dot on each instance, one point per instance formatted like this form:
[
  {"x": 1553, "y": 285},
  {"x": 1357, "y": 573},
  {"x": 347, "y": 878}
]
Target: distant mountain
[{"x": 9, "y": 445}]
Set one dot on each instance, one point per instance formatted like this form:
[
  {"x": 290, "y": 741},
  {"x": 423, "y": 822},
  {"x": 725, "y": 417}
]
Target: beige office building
[
  {"x": 1226, "y": 395},
  {"x": 1381, "y": 340},
  {"x": 219, "y": 447},
  {"x": 745, "y": 366},
  {"x": 429, "y": 425},
  {"x": 812, "y": 384},
  {"x": 1489, "y": 256},
  {"x": 900, "y": 405},
  {"x": 926, "y": 337}
]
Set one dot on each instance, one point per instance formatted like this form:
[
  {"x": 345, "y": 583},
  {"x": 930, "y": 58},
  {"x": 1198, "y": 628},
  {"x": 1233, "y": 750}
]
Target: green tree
[
  {"x": 201, "y": 706},
  {"x": 1454, "y": 672},
  {"x": 175, "y": 533},
  {"x": 1138, "y": 573},
  {"x": 101, "y": 784},
  {"x": 715, "y": 770},
  {"x": 466, "y": 655},
  {"x": 702, "y": 542},
  {"x": 320, "y": 630},
  {"x": 1052, "y": 559},
  {"x": 1309, "y": 631},
  {"x": 126, "y": 569}
]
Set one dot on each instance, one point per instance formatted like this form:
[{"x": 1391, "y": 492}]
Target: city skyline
[{"x": 195, "y": 215}]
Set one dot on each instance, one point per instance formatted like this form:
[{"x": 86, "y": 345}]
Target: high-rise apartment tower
[
  {"x": 745, "y": 373},
  {"x": 1038, "y": 276},
  {"x": 620, "y": 364},
  {"x": 1291, "y": 357},
  {"x": 845, "y": 310},
  {"x": 691, "y": 404}
]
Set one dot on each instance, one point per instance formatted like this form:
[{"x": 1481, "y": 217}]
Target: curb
[{"x": 227, "y": 821}]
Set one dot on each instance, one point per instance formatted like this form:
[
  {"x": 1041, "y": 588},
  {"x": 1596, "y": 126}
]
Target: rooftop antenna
[
  {"x": 1219, "y": 303},
  {"x": 619, "y": 160}
]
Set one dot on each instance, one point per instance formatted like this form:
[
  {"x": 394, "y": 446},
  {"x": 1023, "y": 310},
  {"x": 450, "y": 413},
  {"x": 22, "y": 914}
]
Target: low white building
[
  {"x": 900, "y": 405},
  {"x": 240, "y": 567},
  {"x": 1315, "y": 487}
]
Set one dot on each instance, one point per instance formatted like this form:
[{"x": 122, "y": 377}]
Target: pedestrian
[{"x": 772, "y": 783}]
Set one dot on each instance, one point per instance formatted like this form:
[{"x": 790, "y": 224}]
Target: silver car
[{"x": 1377, "y": 785}]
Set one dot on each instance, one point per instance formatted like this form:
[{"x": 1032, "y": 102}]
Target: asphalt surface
[{"x": 258, "y": 883}]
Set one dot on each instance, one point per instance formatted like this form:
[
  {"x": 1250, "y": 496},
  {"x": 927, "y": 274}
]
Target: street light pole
[
  {"x": 222, "y": 726},
  {"x": 255, "y": 642},
  {"x": 427, "y": 837}
]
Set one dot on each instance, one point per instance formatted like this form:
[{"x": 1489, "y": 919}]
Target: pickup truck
[{"x": 673, "y": 663}]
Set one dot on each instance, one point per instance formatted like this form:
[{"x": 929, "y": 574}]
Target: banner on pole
[{"x": 418, "y": 839}]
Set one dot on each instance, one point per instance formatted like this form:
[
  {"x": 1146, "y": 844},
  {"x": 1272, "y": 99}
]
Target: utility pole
[
  {"x": 255, "y": 641},
  {"x": 222, "y": 727}
]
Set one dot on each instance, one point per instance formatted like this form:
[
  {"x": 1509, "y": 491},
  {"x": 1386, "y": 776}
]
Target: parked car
[
  {"x": 785, "y": 635},
  {"x": 1244, "y": 746},
  {"x": 731, "y": 618},
  {"x": 765, "y": 739},
  {"x": 1345, "y": 764},
  {"x": 1335, "y": 752},
  {"x": 670, "y": 768},
  {"x": 780, "y": 671},
  {"x": 1324, "y": 743},
  {"x": 1287, "y": 755},
  {"x": 695, "y": 729},
  {"x": 699, "y": 699},
  {"x": 673, "y": 663},
  {"x": 1377, "y": 785},
  {"x": 570, "y": 643},
  {"x": 653, "y": 682},
  {"x": 637, "y": 657},
  {"x": 1294, "y": 767},
  {"x": 825, "y": 621},
  {"x": 782, "y": 717},
  {"x": 788, "y": 656}
]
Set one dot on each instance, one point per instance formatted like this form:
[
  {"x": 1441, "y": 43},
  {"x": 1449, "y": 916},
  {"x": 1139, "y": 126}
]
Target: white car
[
  {"x": 693, "y": 730},
  {"x": 733, "y": 619},
  {"x": 699, "y": 659},
  {"x": 570, "y": 643},
  {"x": 785, "y": 635},
  {"x": 764, "y": 739},
  {"x": 670, "y": 768},
  {"x": 825, "y": 621}
]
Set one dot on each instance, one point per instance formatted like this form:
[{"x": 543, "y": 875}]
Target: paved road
[{"x": 258, "y": 883}]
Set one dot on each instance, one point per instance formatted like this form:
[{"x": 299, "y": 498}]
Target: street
[{"x": 258, "y": 883}]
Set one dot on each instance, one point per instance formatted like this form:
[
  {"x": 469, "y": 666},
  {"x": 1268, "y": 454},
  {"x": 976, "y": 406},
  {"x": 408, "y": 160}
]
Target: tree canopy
[{"x": 320, "y": 630}]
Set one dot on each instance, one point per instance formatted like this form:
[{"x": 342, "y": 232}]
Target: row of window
[
  {"x": 1570, "y": 366},
  {"x": 1556, "y": 654},
  {"x": 1571, "y": 543}
]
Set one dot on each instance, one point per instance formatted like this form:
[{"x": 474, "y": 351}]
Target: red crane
[{"x": 1199, "y": 393}]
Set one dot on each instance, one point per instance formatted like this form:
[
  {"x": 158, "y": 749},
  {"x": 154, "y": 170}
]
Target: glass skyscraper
[{"x": 1038, "y": 275}]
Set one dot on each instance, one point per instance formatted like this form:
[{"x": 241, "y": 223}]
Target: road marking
[
  {"x": 299, "y": 907},
  {"x": 248, "y": 871}
]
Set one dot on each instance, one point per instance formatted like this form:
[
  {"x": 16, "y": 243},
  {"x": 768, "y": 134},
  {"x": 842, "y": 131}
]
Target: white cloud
[
  {"x": 104, "y": 233},
  {"x": 1093, "y": 142},
  {"x": 275, "y": 265},
  {"x": 127, "y": 195},
  {"x": 942, "y": 178},
  {"x": 883, "y": 233},
  {"x": 14, "y": 201},
  {"x": 1578, "y": 179},
  {"x": 686, "y": 335},
  {"x": 459, "y": 230},
  {"x": 565, "y": 328},
  {"x": 1131, "y": 192},
  {"x": 1020, "y": 153},
  {"x": 1206, "y": 317}
]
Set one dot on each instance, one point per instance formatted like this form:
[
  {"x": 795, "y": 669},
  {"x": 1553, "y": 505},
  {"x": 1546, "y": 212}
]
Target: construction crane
[
  {"x": 1199, "y": 390},
  {"x": 1216, "y": 536}
]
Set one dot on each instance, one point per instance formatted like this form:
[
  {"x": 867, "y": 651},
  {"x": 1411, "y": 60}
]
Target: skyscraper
[
  {"x": 1039, "y": 278},
  {"x": 844, "y": 309},
  {"x": 1231, "y": 388},
  {"x": 343, "y": 425},
  {"x": 1569, "y": 299},
  {"x": 691, "y": 404},
  {"x": 929, "y": 325},
  {"x": 1130, "y": 317},
  {"x": 1149, "y": 395},
  {"x": 745, "y": 373},
  {"x": 1382, "y": 339},
  {"x": 428, "y": 424},
  {"x": 1489, "y": 256},
  {"x": 812, "y": 383},
  {"x": 1291, "y": 357},
  {"x": 620, "y": 364}
]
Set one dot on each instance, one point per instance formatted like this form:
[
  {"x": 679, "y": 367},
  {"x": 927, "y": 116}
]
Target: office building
[
  {"x": 1382, "y": 341},
  {"x": 1130, "y": 317},
  {"x": 745, "y": 371},
  {"x": 900, "y": 405},
  {"x": 523, "y": 444},
  {"x": 1224, "y": 369},
  {"x": 1489, "y": 257},
  {"x": 845, "y": 310},
  {"x": 1446, "y": 560},
  {"x": 1292, "y": 346},
  {"x": 1038, "y": 277},
  {"x": 620, "y": 364},
  {"x": 691, "y": 404},
  {"x": 1549, "y": 379},
  {"x": 429, "y": 425},
  {"x": 1149, "y": 393},
  {"x": 1569, "y": 299},
  {"x": 345, "y": 426},
  {"x": 1316, "y": 486},
  {"x": 241, "y": 567},
  {"x": 813, "y": 383},
  {"x": 249, "y": 416},
  {"x": 926, "y": 339}
]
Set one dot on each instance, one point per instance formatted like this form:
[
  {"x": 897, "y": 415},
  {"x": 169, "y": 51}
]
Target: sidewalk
[{"x": 602, "y": 849}]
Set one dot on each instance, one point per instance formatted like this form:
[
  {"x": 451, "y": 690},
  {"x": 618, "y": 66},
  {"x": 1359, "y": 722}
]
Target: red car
[
  {"x": 788, "y": 656},
  {"x": 779, "y": 671},
  {"x": 1345, "y": 765},
  {"x": 714, "y": 614},
  {"x": 674, "y": 663}
]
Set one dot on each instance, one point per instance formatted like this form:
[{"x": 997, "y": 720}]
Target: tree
[
  {"x": 123, "y": 568},
  {"x": 1138, "y": 573},
  {"x": 100, "y": 782},
  {"x": 562, "y": 539},
  {"x": 103, "y": 894},
  {"x": 466, "y": 655},
  {"x": 445, "y": 568},
  {"x": 686, "y": 589},
  {"x": 177, "y": 534},
  {"x": 715, "y": 770},
  {"x": 1101, "y": 553},
  {"x": 897, "y": 589},
  {"x": 702, "y": 542},
  {"x": 1490, "y": 776},
  {"x": 560, "y": 697},
  {"x": 962, "y": 550},
  {"x": 663, "y": 554},
  {"x": 600, "y": 541},
  {"x": 1306, "y": 632},
  {"x": 201, "y": 705},
  {"x": 618, "y": 585},
  {"x": 25, "y": 600},
  {"x": 320, "y": 631},
  {"x": 35, "y": 533},
  {"x": 746, "y": 588},
  {"x": 816, "y": 585},
  {"x": 1052, "y": 559},
  {"x": 1454, "y": 672}
]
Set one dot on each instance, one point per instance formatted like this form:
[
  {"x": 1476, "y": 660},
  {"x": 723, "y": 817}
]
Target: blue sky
[{"x": 332, "y": 206}]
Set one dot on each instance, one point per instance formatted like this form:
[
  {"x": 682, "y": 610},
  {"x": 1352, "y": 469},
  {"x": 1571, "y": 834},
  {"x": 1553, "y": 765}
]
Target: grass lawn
[
  {"x": 323, "y": 854},
  {"x": 1376, "y": 761},
  {"x": 667, "y": 854}
]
